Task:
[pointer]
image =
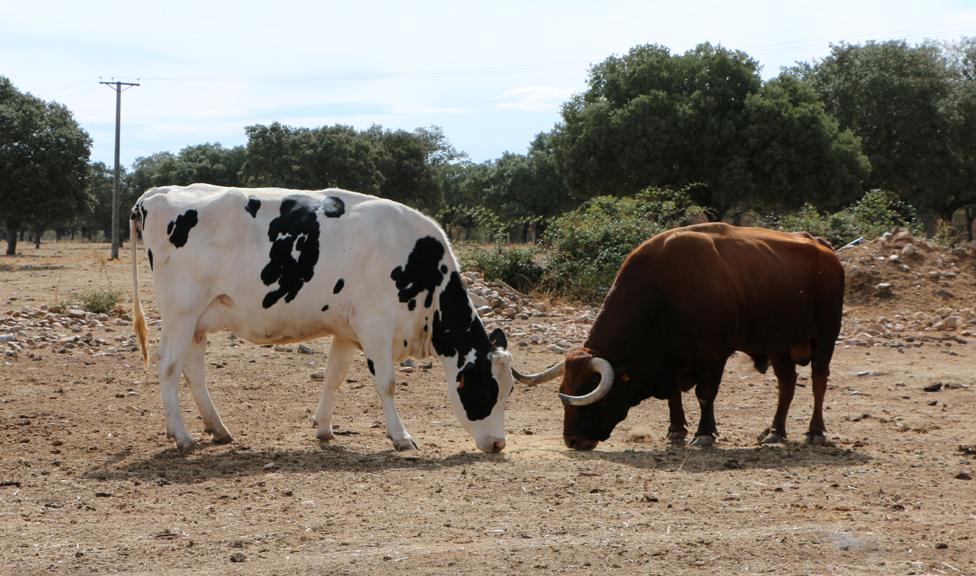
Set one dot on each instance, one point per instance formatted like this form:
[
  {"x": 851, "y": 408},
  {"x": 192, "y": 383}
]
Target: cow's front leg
[
  {"x": 379, "y": 359},
  {"x": 195, "y": 373},
  {"x": 677, "y": 430},
  {"x": 340, "y": 355}
]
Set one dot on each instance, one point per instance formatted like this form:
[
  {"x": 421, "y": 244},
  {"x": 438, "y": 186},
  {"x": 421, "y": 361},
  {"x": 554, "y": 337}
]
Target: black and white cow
[{"x": 278, "y": 266}]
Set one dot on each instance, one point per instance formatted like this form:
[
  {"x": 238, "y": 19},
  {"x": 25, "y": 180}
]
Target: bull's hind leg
[
  {"x": 340, "y": 355},
  {"x": 816, "y": 433},
  {"x": 195, "y": 373},
  {"x": 379, "y": 355},
  {"x": 708, "y": 376},
  {"x": 785, "y": 370}
]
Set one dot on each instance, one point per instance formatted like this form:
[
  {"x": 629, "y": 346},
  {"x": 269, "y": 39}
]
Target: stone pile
[{"x": 29, "y": 332}]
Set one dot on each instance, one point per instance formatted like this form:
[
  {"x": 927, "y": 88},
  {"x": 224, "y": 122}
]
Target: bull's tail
[{"x": 138, "y": 319}]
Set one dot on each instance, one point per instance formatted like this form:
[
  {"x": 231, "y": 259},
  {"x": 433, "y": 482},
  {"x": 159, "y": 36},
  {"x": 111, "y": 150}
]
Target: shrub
[
  {"x": 588, "y": 245},
  {"x": 100, "y": 301},
  {"x": 877, "y": 212},
  {"x": 514, "y": 266}
]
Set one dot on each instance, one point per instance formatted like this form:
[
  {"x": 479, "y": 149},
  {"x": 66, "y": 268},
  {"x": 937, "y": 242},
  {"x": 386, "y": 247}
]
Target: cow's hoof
[
  {"x": 703, "y": 441},
  {"x": 404, "y": 444},
  {"x": 220, "y": 439},
  {"x": 677, "y": 438},
  {"x": 325, "y": 435},
  {"x": 770, "y": 437},
  {"x": 187, "y": 445},
  {"x": 816, "y": 438}
]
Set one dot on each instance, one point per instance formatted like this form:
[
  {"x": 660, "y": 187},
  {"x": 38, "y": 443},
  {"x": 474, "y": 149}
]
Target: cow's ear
[{"x": 498, "y": 339}]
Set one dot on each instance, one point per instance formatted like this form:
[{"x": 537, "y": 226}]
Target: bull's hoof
[
  {"x": 677, "y": 438},
  {"x": 324, "y": 434},
  {"x": 771, "y": 437},
  {"x": 816, "y": 438},
  {"x": 404, "y": 444},
  {"x": 703, "y": 441}
]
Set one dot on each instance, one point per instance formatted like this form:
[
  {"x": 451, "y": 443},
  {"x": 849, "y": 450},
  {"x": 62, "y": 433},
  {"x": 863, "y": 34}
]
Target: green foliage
[
  {"x": 588, "y": 245},
  {"x": 651, "y": 118},
  {"x": 100, "y": 301},
  {"x": 513, "y": 265},
  {"x": 43, "y": 162},
  {"x": 914, "y": 109},
  {"x": 877, "y": 212}
]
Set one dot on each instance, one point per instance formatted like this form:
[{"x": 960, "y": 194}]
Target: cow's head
[
  {"x": 595, "y": 398},
  {"x": 478, "y": 391}
]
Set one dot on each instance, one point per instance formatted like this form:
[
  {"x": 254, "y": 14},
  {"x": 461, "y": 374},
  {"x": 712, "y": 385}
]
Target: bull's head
[{"x": 595, "y": 399}]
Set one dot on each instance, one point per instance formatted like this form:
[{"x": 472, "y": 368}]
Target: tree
[
  {"x": 411, "y": 162},
  {"x": 43, "y": 163},
  {"x": 913, "y": 111},
  {"x": 209, "y": 163},
  {"x": 306, "y": 158},
  {"x": 651, "y": 118}
]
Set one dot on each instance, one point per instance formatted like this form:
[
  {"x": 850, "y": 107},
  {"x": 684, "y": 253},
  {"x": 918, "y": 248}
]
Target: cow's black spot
[
  {"x": 333, "y": 207},
  {"x": 253, "y": 205},
  {"x": 443, "y": 269},
  {"x": 369, "y": 364},
  {"x": 458, "y": 331},
  {"x": 295, "y": 229},
  {"x": 404, "y": 343},
  {"x": 411, "y": 304},
  {"x": 338, "y": 286},
  {"x": 179, "y": 229},
  {"x": 326, "y": 307},
  {"x": 148, "y": 251},
  {"x": 420, "y": 272}
]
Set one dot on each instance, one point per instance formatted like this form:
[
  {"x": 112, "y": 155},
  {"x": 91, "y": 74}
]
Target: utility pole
[{"x": 118, "y": 87}]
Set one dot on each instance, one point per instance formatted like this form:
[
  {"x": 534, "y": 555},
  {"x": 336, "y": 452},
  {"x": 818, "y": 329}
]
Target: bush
[
  {"x": 514, "y": 266},
  {"x": 588, "y": 245},
  {"x": 877, "y": 212},
  {"x": 100, "y": 301}
]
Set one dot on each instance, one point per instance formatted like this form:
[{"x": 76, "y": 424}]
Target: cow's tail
[{"x": 138, "y": 319}]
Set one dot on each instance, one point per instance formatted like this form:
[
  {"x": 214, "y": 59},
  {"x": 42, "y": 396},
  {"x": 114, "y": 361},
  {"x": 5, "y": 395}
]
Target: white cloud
[{"x": 534, "y": 98}]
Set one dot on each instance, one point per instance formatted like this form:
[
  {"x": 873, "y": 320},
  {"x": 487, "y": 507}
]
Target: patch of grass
[{"x": 100, "y": 301}]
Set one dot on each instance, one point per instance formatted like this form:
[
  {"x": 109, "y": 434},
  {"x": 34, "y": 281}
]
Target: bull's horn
[
  {"x": 550, "y": 373},
  {"x": 605, "y": 370}
]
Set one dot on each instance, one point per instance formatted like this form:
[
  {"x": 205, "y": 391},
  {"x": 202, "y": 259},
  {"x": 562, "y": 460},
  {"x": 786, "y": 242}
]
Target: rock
[
  {"x": 317, "y": 376},
  {"x": 509, "y": 312},
  {"x": 76, "y": 313},
  {"x": 409, "y": 363},
  {"x": 908, "y": 251},
  {"x": 933, "y": 387},
  {"x": 883, "y": 289},
  {"x": 304, "y": 349}
]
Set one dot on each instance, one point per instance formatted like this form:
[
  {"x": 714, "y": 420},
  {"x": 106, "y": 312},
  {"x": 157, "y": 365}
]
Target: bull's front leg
[{"x": 677, "y": 430}]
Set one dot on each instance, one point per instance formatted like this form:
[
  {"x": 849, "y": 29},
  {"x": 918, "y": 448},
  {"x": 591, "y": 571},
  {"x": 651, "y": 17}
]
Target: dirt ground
[{"x": 89, "y": 483}]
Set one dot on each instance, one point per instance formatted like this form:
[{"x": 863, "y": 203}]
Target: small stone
[
  {"x": 649, "y": 497},
  {"x": 963, "y": 476},
  {"x": 76, "y": 313},
  {"x": 269, "y": 467},
  {"x": 238, "y": 557},
  {"x": 941, "y": 546},
  {"x": 933, "y": 387},
  {"x": 304, "y": 349}
]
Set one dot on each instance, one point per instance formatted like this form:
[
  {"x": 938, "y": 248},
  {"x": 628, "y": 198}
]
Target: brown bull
[{"x": 681, "y": 304}]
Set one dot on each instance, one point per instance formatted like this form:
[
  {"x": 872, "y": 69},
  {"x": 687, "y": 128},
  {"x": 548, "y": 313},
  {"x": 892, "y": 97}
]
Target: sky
[{"x": 492, "y": 75}]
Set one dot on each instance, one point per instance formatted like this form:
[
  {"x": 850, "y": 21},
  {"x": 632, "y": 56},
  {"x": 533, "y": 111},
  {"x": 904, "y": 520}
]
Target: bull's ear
[{"x": 498, "y": 339}]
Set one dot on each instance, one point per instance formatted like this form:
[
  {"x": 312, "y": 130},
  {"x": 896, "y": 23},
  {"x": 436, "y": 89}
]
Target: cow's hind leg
[
  {"x": 174, "y": 343},
  {"x": 379, "y": 358},
  {"x": 340, "y": 356},
  {"x": 816, "y": 433},
  {"x": 785, "y": 370},
  {"x": 195, "y": 373},
  {"x": 708, "y": 377}
]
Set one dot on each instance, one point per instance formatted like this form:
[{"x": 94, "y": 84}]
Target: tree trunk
[
  {"x": 970, "y": 223},
  {"x": 11, "y": 241},
  {"x": 37, "y": 237}
]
